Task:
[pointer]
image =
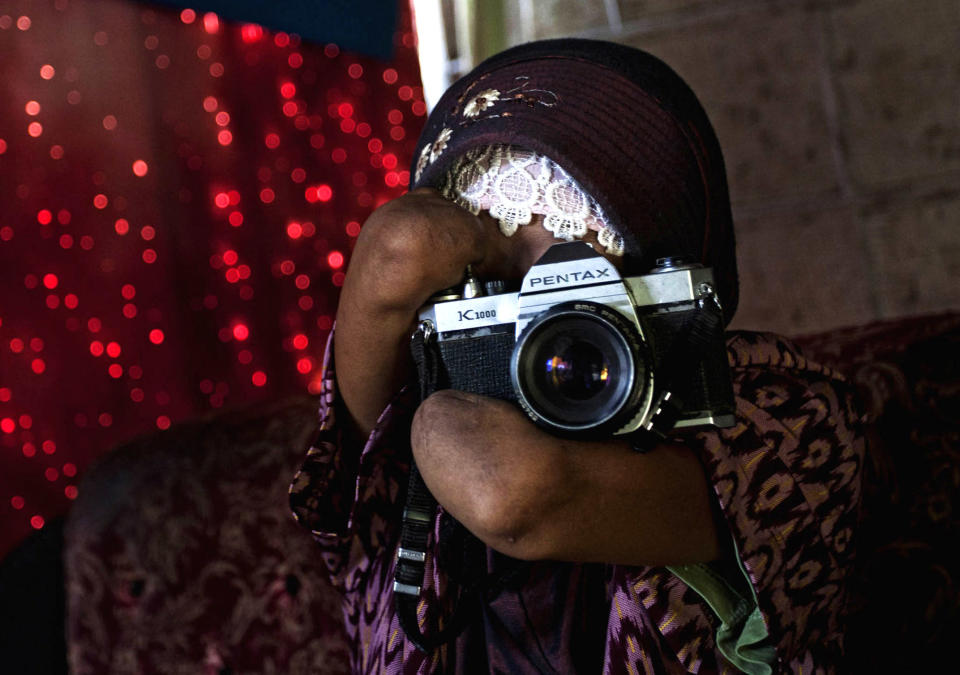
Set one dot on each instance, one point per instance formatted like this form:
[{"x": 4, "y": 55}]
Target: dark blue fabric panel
[{"x": 364, "y": 26}]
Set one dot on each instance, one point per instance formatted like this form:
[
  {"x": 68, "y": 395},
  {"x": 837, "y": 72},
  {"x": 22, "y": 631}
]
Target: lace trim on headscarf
[{"x": 513, "y": 184}]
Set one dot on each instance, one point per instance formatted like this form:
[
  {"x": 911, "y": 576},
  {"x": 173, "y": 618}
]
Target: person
[{"x": 715, "y": 551}]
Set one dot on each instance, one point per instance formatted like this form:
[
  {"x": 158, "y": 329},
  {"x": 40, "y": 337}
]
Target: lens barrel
[{"x": 580, "y": 368}]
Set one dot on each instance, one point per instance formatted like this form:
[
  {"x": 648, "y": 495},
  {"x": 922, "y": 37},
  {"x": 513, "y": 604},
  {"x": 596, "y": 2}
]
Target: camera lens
[
  {"x": 580, "y": 367},
  {"x": 577, "y": 369}
]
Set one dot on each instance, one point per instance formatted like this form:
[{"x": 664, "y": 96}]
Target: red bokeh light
[
  {"x": 251, "y": 32},
  {"x": 335, "y": 259},
  {"x": 241, "y": 332},
  {"x": 90, "y": 263},
  {"x": 211, "y": 23},
  {"x": 36, "y": 522}
]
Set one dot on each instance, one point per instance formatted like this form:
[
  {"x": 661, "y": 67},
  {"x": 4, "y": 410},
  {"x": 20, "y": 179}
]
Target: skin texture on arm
[
  {"x": 408, "y": 249},
  {"x": 531, "y": 495},
  {"x": 522, "y": 491}
]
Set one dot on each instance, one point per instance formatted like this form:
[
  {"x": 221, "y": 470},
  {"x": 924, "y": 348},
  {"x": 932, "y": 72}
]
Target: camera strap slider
[
  {"x": 408, "y": 554},
  {"x": 417, "y": 516},
  {"x": 665, "y": 415},
  {"x": 406, "y": 589}
]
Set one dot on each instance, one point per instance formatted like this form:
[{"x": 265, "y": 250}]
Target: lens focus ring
[{"x": 580, "y": 368}]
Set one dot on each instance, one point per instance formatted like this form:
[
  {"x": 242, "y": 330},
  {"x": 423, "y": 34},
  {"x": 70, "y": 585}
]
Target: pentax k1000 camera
[{"x": 587, "y": 353}]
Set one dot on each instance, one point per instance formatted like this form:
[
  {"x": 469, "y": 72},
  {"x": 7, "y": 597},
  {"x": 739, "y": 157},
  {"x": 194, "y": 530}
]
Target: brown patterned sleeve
[
  {"x": 787, "y": 477},
  {"x": 347, "y": 496}
]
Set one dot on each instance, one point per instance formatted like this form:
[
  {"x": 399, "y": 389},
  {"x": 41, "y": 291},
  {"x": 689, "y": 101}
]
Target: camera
[{"x": 588, "y": 353}]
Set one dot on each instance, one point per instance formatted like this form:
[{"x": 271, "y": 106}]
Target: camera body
[{"x": 584, "y": 351}]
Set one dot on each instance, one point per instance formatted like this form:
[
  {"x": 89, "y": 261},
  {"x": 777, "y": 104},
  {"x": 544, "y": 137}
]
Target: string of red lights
[{"x": 179, "y": 197}]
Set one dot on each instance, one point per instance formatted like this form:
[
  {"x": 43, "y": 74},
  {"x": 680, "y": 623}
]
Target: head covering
[
  {"x": 625, "y": 127},
  {"x": 514, "y": 183}
]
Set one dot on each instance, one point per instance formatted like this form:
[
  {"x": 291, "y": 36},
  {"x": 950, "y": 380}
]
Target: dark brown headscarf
[{"x": 624, "y": 125}]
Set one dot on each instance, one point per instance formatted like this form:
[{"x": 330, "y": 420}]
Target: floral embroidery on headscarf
[
  {"x": 439, "y": 145},
  {"x": 431, "y": 151},
  {"x": 481, "y": 102}
]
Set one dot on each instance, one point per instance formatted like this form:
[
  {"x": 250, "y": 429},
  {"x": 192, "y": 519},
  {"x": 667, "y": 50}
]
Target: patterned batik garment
[{"x": 787, "y": 484}]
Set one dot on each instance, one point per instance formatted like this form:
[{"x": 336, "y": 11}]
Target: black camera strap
[
  {"x": 418, "y": 519},
  {"x": 694, "y": 338}
]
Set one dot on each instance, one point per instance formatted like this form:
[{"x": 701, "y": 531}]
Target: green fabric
[{"x": 742, "y": 636}]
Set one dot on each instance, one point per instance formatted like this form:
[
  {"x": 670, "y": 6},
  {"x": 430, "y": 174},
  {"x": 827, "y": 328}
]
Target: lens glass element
[
  {"x": 578, "y": 370},
  {"x": 574, "y": 368}
]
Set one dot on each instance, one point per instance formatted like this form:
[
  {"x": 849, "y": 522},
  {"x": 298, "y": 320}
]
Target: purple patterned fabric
[
  {"x": 786, "y": 478},
  {"x": 181, "y": 556}
]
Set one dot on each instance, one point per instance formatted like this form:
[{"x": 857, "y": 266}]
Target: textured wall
[{"x": 840, "y": 123}]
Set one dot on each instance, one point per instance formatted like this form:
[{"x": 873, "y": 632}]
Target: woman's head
[{"x": 618, "y": 124}]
